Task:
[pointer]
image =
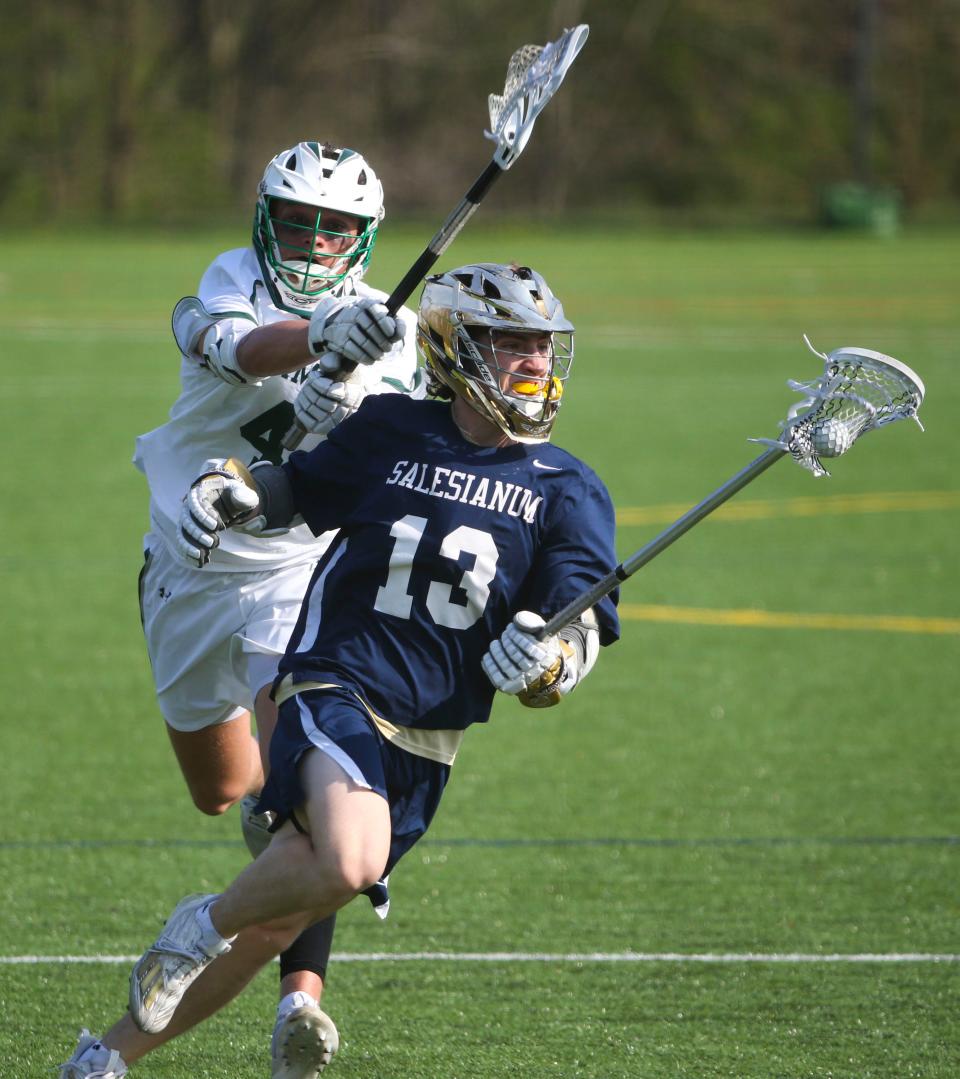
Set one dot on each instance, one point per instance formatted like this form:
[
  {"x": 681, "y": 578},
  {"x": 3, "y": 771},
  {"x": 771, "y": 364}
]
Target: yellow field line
[
  {"x": 705, "y": 616},
  {"x": 810, "y": 506}
]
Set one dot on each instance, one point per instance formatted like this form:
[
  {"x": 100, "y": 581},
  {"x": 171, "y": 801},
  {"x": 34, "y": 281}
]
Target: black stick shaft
[
  {"x": 660, "y": 543},
  {"x": 444, "y": 237}
]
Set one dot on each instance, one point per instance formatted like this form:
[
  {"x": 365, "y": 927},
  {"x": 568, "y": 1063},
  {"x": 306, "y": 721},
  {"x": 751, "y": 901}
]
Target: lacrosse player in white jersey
[{"x": 262, "y": 345}]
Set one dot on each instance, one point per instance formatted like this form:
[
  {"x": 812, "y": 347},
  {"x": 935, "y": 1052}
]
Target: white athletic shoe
[
  {"x": 255, "y": 826},
  {"x": 91, "y": 1060},
  {"x": 304, "y": 1043},
  {"x": 167, "y": 969}
]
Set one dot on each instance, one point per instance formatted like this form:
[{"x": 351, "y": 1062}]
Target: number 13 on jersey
[{"x": 394, "y": 597}]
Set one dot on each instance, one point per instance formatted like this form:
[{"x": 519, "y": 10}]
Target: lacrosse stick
[
  {"x": 859, "y": 391},
  {"x": 534, "y": 74}
]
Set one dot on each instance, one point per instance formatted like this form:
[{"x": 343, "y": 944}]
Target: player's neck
[{"x": 476, "y": 428}]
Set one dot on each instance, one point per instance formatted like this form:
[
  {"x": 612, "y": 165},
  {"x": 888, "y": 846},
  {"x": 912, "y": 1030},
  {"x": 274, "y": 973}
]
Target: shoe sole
[{"x": 308, "y": 1044}]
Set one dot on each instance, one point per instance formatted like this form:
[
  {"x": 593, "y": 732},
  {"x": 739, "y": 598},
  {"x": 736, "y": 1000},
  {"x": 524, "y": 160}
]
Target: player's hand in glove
[
  {"x": 324, "y": 402},
  {"x": 222, "y": 496},
  {"x": 533, "y": 670},
  {"x": 359, "y": 331}
]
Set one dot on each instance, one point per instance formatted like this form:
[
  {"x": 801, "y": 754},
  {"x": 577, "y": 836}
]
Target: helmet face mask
[
  {"x": 496, "y": 356},
  {"x": 478, "y": 329},
  {"x": 316, "y": 220},
  {"x": 311, "y": 250}
]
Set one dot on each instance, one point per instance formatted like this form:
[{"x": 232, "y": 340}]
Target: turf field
[{"x": 732, "y": 853}]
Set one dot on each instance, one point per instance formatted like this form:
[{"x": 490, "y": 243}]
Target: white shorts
[{"x": 214, "y": 639}]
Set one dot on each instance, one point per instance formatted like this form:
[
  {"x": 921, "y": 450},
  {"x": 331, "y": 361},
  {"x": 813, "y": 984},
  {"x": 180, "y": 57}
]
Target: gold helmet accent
[{"x": 455, "y": 305}]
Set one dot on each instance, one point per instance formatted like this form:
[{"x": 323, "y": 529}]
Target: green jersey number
[{"x": 265, "y": 432}]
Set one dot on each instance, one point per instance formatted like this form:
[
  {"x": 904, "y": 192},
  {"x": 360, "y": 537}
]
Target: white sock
[
  {"x": 295, "y": 1000},
  {"x": 213, "y": 943}
]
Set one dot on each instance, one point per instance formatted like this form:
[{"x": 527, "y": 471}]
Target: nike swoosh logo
[{"x": 540, "y": 464}]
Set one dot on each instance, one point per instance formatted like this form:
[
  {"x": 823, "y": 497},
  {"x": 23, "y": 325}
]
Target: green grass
[{"x": 709, "y": 790}]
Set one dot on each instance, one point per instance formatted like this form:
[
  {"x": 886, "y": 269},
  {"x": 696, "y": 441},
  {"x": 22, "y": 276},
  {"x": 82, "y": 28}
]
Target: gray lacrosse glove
[
  {"x": 222, "y": 496},
  {"x": 530, "y": 669},
  {"x": 324, "y": 402},
  {"x": 359, "y": 331}
]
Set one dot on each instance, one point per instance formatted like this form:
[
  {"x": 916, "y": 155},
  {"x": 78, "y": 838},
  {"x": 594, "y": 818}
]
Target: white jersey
[{"x": 215, "y": 418}]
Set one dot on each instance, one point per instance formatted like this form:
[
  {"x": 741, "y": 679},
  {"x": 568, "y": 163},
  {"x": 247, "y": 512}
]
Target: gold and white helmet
[
  {"x": 457, "y": 306},
  {"x": 331, "y": 179}
]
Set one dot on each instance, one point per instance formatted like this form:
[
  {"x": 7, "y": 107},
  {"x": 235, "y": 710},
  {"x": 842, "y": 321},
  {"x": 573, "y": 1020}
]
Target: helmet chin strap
[{"x": 532, "y": 408}]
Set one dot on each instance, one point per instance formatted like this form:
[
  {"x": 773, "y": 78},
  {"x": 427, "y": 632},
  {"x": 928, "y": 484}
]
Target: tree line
[{"x": 128, "y": 111}]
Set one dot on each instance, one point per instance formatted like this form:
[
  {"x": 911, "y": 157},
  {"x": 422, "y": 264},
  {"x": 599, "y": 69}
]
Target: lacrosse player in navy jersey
[{"x": 460, "y": 527}]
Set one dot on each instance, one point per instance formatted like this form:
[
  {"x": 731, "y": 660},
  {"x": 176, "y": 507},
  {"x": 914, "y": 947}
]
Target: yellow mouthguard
[
  {"x": 552, "y": 390},
  {"x": 528, "y": 389}
]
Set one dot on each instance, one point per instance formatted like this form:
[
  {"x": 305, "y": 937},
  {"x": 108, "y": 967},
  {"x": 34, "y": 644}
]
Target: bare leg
[
  {"x": 303, "y": 981},
  {"x": 265, "y": 710},
  {"x": 215, "y": 987},
  {"x": 221, "y": 764},
  {"x": 345, "y": 853},
  {"x": 294, "y": 882}
]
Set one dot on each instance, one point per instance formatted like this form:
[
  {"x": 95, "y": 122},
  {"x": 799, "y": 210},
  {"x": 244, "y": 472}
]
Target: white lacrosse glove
[
  {"x": 222, "y": 496},
  {"x": 533, "y": 670},
  {"x": 324, "y": 402},
  {"x": 361, "y": 331}
]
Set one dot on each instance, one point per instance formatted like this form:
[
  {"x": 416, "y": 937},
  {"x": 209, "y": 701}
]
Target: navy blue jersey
[{"x": 441, "y": 542}]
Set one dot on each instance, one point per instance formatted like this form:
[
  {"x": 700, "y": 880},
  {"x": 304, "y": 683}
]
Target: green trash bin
[{"x": 857, "y": 206}]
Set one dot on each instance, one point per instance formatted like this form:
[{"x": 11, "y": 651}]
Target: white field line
[{"x": 554, "y": 957}]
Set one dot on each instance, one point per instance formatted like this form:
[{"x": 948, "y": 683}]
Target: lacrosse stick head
[
  {"x": 534, "y": 74},
  {"x": 859, "y": 391}
]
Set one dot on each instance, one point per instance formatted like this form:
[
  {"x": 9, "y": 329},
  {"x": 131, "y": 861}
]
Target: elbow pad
[
  {"x": 212, "y": 338},
  {"x": 219, "y": 353}
]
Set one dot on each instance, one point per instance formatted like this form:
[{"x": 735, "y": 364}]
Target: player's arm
[
  {"x": 227, "y": 494},
  {"x": 232, "y": 346},
  {"x": 276, "y": 349},
  {"x": 542, "y": 673},
  {"x": 360, "y": 331},
  {"x": 349, "y": 330}
]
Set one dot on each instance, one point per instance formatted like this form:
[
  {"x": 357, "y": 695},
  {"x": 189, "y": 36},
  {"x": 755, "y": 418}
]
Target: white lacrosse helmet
[
  {"x": 456, "y": 305},
  {"x": 323, "y": 178}
]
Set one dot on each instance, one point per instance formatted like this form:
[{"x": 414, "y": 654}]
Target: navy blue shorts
[{"x": 335, "y": 721}]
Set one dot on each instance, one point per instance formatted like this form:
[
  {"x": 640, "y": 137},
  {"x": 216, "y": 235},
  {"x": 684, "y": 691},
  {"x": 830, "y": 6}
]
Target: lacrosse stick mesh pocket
[
  {"x": 858, "y": 391},
  {"x": 534, "y": 74},
  {"x": 502, "y": 106}
]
